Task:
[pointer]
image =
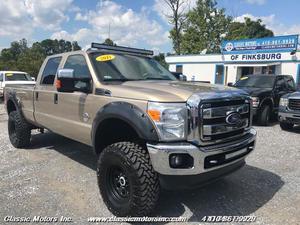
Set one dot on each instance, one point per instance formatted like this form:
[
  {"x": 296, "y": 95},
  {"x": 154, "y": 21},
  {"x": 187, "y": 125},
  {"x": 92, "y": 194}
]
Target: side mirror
[
  {"x": 33, "y": 78},
  {"x": 65, "y": 80},
  {"x": 230, "y": 84}
]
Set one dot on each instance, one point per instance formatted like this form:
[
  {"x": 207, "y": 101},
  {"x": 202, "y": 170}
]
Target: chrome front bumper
[
  {"x": 232, "y": 152},
  {"x": 291, "y": 116}
]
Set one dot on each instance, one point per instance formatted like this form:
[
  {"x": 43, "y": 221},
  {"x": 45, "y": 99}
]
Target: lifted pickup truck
[
  {"x": 289, "y": 111},
  {"x": 265, "y": 91},
  {"x": 148, "y": 130}
]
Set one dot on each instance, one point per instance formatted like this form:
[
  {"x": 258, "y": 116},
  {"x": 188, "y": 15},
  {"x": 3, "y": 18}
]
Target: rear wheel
[
  {"x": 128, "y": 184},
  {"x": 286, "y": 126},
  {"x": 18, "y": 130},
  {"x": 265, "y": 114}
]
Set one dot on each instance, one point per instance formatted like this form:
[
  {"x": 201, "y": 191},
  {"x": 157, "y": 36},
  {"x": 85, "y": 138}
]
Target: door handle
[
  {"x": 36, "y": 96},
  {"x": 55, "y": 98}
]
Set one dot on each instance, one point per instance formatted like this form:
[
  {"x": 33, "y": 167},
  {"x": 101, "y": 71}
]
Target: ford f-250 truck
[
  {"x": 289, "y": 111},
  {"x": 148, "y": 130}
]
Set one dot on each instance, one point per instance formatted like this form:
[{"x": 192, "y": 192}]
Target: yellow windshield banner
[
  {"x": 104, "y": 58},
  {"x": 244, "y": 78},
  {"x": 9, "y": 74}
]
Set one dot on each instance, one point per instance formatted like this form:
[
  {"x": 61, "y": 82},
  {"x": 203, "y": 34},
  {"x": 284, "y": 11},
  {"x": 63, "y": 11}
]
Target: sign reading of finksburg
[{"x": 286, "y": 43}]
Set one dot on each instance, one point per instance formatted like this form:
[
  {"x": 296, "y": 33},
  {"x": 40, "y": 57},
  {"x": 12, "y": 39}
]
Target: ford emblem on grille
[{"x": 234, "y": 118}]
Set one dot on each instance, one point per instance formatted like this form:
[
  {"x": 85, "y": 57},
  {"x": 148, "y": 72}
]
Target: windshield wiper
[{"x": 157, "y": 78}]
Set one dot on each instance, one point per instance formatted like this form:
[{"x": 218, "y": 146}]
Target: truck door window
[
  {"x": 1, "y": 77},
  {"x": 280, "y": 84},
  {"x": 81, "y": 69},
  {"x": 79, "y": 65},
  {"x": 48, "y": 75},
  {"x": 290, "y": 84}
]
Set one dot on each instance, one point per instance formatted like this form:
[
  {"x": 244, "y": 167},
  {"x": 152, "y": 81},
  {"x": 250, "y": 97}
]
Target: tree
[
  {"x": 109, "y": 42},
  {"x": 161, "y": 59},
  {"x": 176, "y": 19},
  {"x": 29, "y": 59},
  {"x": 205, "y": 27},
  {"x": 248, "y": 29}
]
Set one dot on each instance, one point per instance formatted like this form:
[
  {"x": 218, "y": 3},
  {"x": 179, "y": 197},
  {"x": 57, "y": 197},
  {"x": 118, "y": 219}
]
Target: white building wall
[
  {"x": 203, "y": 66},
  {"x": 199, "y": 72},
  {"x": 231, "y": 74},
  {"x": 290, "y": 69}
]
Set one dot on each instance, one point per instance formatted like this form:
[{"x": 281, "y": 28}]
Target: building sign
[
  {"x": 286, "y": 43},
  {"x": 255, "y": 57}
]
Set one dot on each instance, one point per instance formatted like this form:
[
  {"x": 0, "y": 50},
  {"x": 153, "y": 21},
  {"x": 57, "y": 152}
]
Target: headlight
[
  {"x": 255, "y": 101},
  {"x": 283, "y": 102},
  {"x": 170, "y": 119}
]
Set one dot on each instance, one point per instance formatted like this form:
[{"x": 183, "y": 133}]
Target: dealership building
[{"x": 274, "y": 55}]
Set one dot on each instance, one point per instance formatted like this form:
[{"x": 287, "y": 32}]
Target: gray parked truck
[
  {"x": 289, "y": 111},
  {"x": 148, "y": 130}
]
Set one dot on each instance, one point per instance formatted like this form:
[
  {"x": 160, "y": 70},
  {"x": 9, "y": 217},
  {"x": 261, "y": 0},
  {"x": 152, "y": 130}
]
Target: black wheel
[
  {"x": 286, "y": 126},
  {"x": 18, "y": 130},
  {"x": 265, "y": 114},
  {"x": 128, "y": 184}
]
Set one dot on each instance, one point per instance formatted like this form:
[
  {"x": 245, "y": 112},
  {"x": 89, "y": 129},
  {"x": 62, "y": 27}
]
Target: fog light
[{"x": 181, "y": 161}]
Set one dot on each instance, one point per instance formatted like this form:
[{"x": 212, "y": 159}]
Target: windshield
[
  {"x": 122, "y": 67},
  {"x": 17, "y": 77},
  {"x": 256, "y": 81}
]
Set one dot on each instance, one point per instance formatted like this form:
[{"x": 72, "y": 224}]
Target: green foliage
[
  {"x": 204, "y": 28},
  {"x": 109, "y": 42},
  {"x": 161, "y": 59},
  {"x": 248, "y": 29},
  {"x": 29, "y": 59}
]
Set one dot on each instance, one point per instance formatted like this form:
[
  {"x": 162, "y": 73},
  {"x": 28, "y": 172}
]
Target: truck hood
[
  {"x": 170, "y": 91},
  {"x": 257, "y": 92},
  {"x": 293, "y": 95}
]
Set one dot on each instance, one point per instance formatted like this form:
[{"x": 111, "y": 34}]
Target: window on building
[
  {"x": 179, "y": 69},
  {"x": 219, "y": 76},
  {"x": 48, "y": 75}
]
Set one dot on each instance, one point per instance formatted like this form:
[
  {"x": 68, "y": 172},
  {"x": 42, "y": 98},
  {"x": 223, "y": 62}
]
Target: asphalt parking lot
[{"x": 56, "y": 177}]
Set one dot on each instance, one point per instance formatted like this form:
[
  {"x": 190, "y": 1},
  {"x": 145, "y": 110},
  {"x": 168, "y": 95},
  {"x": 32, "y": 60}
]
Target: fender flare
[
  {"x": 128, "y": 113},
  {"x": 11, "y": 96}
]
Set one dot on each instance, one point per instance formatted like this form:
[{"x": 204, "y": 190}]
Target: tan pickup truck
[{"x": 148, "y": 130}]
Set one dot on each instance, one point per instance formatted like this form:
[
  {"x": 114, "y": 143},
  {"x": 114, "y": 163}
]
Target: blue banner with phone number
[{"x": 286, "y": 43}]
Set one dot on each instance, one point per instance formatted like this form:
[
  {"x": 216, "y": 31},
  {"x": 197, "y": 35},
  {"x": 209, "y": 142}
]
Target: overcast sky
[{"x": 136, "y": 23}]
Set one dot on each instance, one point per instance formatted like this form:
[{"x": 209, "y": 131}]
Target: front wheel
[
  {"x": 286, "y": 126},
  {"x": 18, "y": 130},
  {"x": 128, "y": 184},
  {"x": 264, "y": 117}
]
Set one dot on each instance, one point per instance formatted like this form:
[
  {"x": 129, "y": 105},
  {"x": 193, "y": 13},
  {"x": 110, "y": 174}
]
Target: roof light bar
[{"x": 122, "y": 49}]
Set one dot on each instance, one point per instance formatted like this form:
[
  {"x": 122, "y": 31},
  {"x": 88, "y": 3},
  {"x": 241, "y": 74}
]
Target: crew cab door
[
  {"x": 72, "y": 109},
  {"x": 44, "y": 110}
]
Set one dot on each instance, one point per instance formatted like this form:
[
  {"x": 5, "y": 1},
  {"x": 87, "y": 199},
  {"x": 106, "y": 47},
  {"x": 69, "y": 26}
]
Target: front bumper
[
  {"x": 205, "y": 159},
  {"x": 289, "y": 117}
]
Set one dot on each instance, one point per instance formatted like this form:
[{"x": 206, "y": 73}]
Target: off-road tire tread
[
  {"x": 146, "y": 198},
  {"x": 22, "y": 129}
]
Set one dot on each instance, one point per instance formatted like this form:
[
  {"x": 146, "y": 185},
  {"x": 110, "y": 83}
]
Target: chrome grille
[
  {"x": 214, "y": 125},
  {"x": 294, "y": 104}
]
